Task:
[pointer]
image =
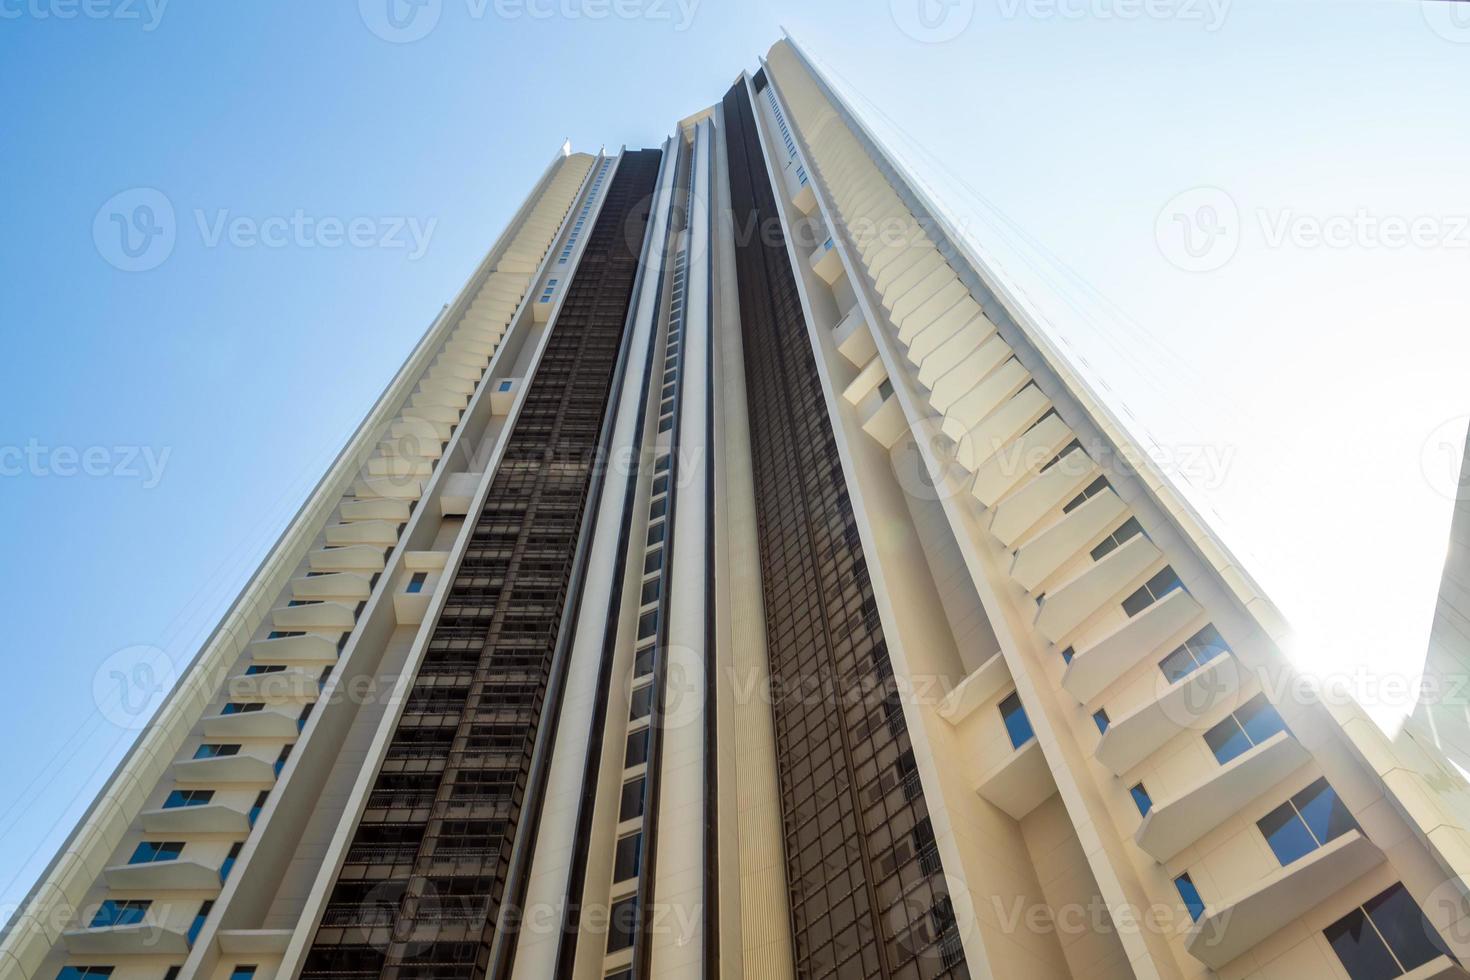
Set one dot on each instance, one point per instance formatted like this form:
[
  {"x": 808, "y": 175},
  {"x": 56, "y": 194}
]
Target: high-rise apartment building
[{"x": 735, "y": 582}]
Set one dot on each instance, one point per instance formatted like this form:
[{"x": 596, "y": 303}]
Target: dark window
[
  {"x": 636, "y": 752},
  {"x": 83, "y": 972},
  {"x": 229, "y": 862},
  {"x": 1092, "y": 489},
  {"x": 1150, "y": 592},
  {"x": 258, "y": 805},
  {"x": 198, "y": 922},
  {"x": 1193, "y": 654},
  {"x": 242, "y": 707},
  {"x": 242, "y": 973},
  {"x": 1385, "y": 938},
  {"x": 416, "y": 581},
  {"x": 213, "y": 750},
  {"x": 631, "y": 803},
  {"x": 625, "y": 860},
  {"x": 188, "y": 797},
  {"x": 649, "y": 593},
  {"x": 254, "y": 669},
  {"x": 640, "y": 703},
  {"x": 1192, "y": 900},
  {"x": 656, "y": 533},
  {"x": 643, "y": 662},
  {"x": 653, "y": 561},
  {"x": 149, "y": 851},
  {"x": 885, "y": 389},
  {"x": 1141, "y": 799},
  {"x": 172, "y": 973},
  {"x": 1100, "y": 719},
  {"x": 1250, "y": 725},
  {"x": 622, "y": 924},
  {"x": 1017, "y": 724},
  {"x": 114, "y": 912},
  {"x": 1128, "y": 529},
  {"x": 1067, "y": 655},
  {"x": 1305, "y": 822}
]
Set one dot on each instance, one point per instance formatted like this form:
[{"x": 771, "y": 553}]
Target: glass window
[
  {"x": 188, "y": 797},
  {"x": 631, "y": 803},
  {"x": 649, "y": 593},
  {"x": 198, "y": 922},
  {"x": 625, "y": 860},
  {"x": 259, "y": 804},
  {"x": 1141, "y": 799},
  {"x": 113, "y": 912},
  {"x": 149, "y": 851},
  {"x": 1067, "y": 655},
  {"x": 1100, "y": 719},
  {"x": 643, "y": 662},
  {"x": 622, "y": 924},
  {"x": 1128, "y": 529},
  {"x": 1163, "y": 582},
  {"x": 1305, "y": 822},
  {"x": 1093, "y": 489},
  {"x": 653, "y": 561},
  {"x": 1193, "y": 653},
  {"x": 242, "y": 973},
  {"x": 1017, "y": 724},
  {"x": 1287, "y": 834},
  {"x": 83, "y": 972},
  {"x": 416, "y": 582},
  {"x": 1192, "y": 900},
  {"x": 254, "y": 669},
  {"x": 641, "y": 703},
  {"x": 885, "y": 389},
  {"x": 1410, "y": 937},
  {"x": 1251, "y": 724},
  {"x": 229, "y": 862},
  {"x": 636, "y": 752}
]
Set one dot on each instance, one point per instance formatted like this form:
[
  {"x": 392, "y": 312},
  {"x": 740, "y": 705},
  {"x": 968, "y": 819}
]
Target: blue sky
[{"x": 1202, "y": 198}]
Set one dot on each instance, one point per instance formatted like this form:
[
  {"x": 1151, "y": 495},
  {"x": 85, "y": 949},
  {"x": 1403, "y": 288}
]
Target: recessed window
[
  {"x": 229, "y": 862},
  {"x": 242, "y": 973},
  {"x": 1163, "y": 582},
  {"x": 83, "y": 972},
  {"x": 630, "y": 804},
  {"x": 1018, "y": 726},
  {"x": 1305, "y": 822},
  {"x": 641, "y": 703},
  {"x": 1128, "y": 529},
  {"x": 1385, "y": 937},
  {"x": 149, "y": 851},
  {"x": 506, "y": 385},
  {"x": 187, "y": 797},
  {"x": 1067, "y": 655},
  {"x": 885, "y": 389},
  {"x": 1100, "y": 719},
  {"x": 198, "y": 922},
  {"x": 636, "y": 752},
  {"x": 653, "y": 561},
  {"x": 1141, "y": 799},
  {"x": 649, "y": 593},
  {"x": 242, "y": 707},
  {"x": 1091, "y": 490},
  {"x": 416, "y": 582},
  {"x": 622, "y": 925},
  {"x": 658, "y": 508},
  {"x": 660, "y": 485},
  {"x": 1192, "y": 900},
  {"x": 656, "y": 533},
  {"x": 626, "y": 858},
  {"x": 258, "y": 805},
  {"x": 648, "y": 624},
  {"x": 215, "y": 750},
  {"x": 1250, "y": 725},
  {"x": 255, "y": 669},
  {"x": 114, "y": 912},
  {"x": 1193, "y": 654},
  {"x": 282, "y": 634},
  {"x": 643, "y": 662}
]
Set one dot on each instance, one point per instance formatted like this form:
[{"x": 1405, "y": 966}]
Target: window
[
  {"x": 631, "y": 804},
  {"x": 505, "y": 385},
  {"x": 120, "y": 913},
  {"x": 1191, "y": 896},
  {"x": 641, "y": 703},
  {"x": 254, "y": 669},
  {"x": 622, "y": 924},
  {"x": 624, "y": 974},
  {"x": 1305, "y": 822},
  {"x": 83, "y": 972},
  {"x": 1193, "y": 654},
  {"x": 653, "y": 561},
  {"x": 229, "y": 862},
  {"x": 416, "y": 582},
  {"x": 242, "y": 973},
  {"x": 149, "y": 851},
  {"x": 198, "y": 922},
  {"x": 636, "y": 752},
  {"x": 656, "y": 533},
  {"x": 1100, "y": 719},
  {"x": 305, "y": 714},
  {"x": 1250, "y": 725},
  {"x": 282, "y": 634},
  {"x": 1017, "y": 724},
  {"x": 1141, "y": 799},
  {"x": 885, "y": 389},
  {"x": 1067, "y": 655},
  {"x": 172, "y": 973},
  {"x": 285, "y": 754},
  {"x": 643, "y": 662},
  {"x": 1387, "y": 937},
  {"x": 1128, "y": 529},
  {"x": 649, "y": 593},
  {"x": 1091, "y": 490},
  {"x": 242, "y": 707},
  {"x": 1163, "y": 582},
  {"x": 188, "y": 797},
  {"x": 258, "y": 805},
  {"x": 625, "y": 859}
]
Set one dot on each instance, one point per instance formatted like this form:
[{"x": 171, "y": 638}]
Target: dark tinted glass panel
[
  {"x": 1403, "y": 926},
  {"x": 1192, "y": 900},
  {"x": 622, "y": 925},
  {"x": 1227, "y": 740},
  {"x": 1286, "y": 834},
  {"x": 1141, "y": 799},
  {"x": 1017, "y": 724},
  {"x": 630, "y": 805},
  {"x": 1324, "y": 812},
  {"x": 636, "y": 752},
  {"x": 1358, "y": 946},
  {"x": 1259, "y": 719},
  {"x": 625, "y": 860}
]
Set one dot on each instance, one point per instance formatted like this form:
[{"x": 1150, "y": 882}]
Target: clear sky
[{"x": 1246, "y": 221}]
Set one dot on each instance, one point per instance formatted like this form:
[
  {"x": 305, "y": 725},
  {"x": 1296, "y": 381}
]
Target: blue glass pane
[
  {"x": 1226, "y": 740},
  {"x": 1260, "y": 720},
  {"x": 1411, "y": 938},
  {"x": 1325, "y": 814},
  {"x": 1192, "y": 900},
  {"x": 1017, "y": 724},
  {"x": 1141, "y": 799},
  {"x": 1362, "y": 953},
  {"x": 1287, "y": 835},
  {"x": 1178, "y": 665}
]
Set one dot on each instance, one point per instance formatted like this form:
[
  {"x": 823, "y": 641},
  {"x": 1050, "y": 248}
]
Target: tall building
[{"x": 735, "y": 582}]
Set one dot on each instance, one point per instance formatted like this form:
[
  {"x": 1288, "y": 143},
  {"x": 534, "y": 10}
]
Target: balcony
[
  {"x": 979, "y": 688},
  {"x": 924, "y": 304},
  {"x": 176, "y": 875},
  {"x": 1144, "y": 635},
  {"x": 1013, "y": 462},
  {"x": 398, "y": 468},
  {"x": 315, "y": 616},
  {"x": 886, "y": 423},
  {"x": 503, "y": 395},
  {"x": 139, "y": 939},
  {"x": 1180, "y": 706},
  {"x": 1107, "y": 580},
  {"x": 853, "y": 338},
  {"x": 272, "y": 721},
  {"x": 334, "y": 585},
  {"x": 277, "y": 685},
  {"x": 393, "y": 509},
  {"x": 1020, "y": 783},
  {"x": 1039, "y": 559},
  {"x": 384, "y": 534},
  {"x": 973, "y": 333},
  {"x": 826, "y": 263},
  {"x": 1172, "y": 825},
  {"x": 390, "y": 487},
  {"x": 447, "y": 414},
  {"x": 209, "y": 818},
  {"x": 1225, "y": 932},
  {"x": 308, "y": 648},
  {"x": 362, "y": 558},
  {"x": 225, "y": 769},
  {"x": 1051, "y": 488},
  {"x": 966, "y": 402}
]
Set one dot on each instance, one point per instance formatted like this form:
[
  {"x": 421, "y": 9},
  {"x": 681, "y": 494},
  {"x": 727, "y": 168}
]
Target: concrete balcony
[
  {"x": 1021, "y": 511},
  {"x": 993, "y": 677},
  {"x": 959, "y": 348},
  {"x": 1087, "y": 524},
  {"x": 400, "y": 467},
  {"x": 1106, "y": 581},
  {"x": 411, "y": 447},
  {"x": 1140, "y": 638},
  {"x": 1172, "y": 825},
  {"x": 434, "y": 413},
  {"x": 332, "y": 585},
  {"x": 458, "y": 493},
  {"x": 274, "y": 686},
  {"x": 921, "y": 290},
  {"x": 454, "y": 369},
  {"x": 225, "y": 769},
  {"x": 272, "y": 721},
  {"x": 826, "y": 263},
  {"x": 1013, "y": 463},
  {"x": 384, "y": 534},
  {"x": 1007, "y": 420},
  {"x": 179, "y": 874},
  {"x": 1180, "y": 706},
  {"x": 140, "y": 939},
  {"x": 853, "y": 338},
  {"x": 977, "y": 386},
  {"x": 438, "y": 396},
  {"x": 388, "y": 488},
  {"x": 1225, "y": 932},
  {"x": 450, "y": 382},
  {"x": 1019, "y": 783},
  {"x": 886, "y": 422},
  {"x": 393, "y": 509},
  {"x": 211, "y": 818},
  {"x": 926, "y": 306},
  {"x": 503, "y": 394},
  {"x": 315, "y": 616},
  {"x": 307, "y": 649}
]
